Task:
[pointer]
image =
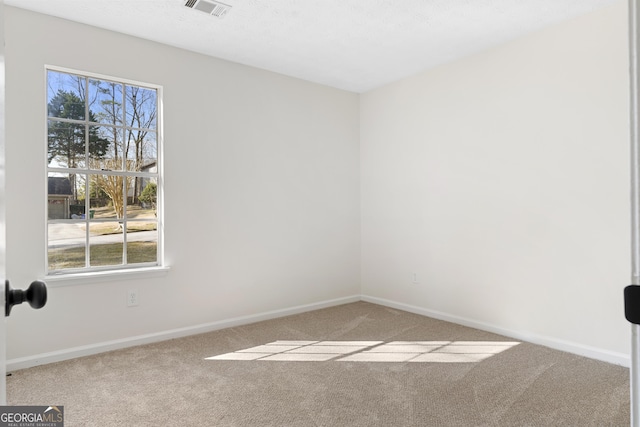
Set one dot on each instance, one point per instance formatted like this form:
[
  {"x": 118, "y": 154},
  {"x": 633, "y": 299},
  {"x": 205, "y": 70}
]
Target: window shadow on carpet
[{"x": 371, "y": 351}]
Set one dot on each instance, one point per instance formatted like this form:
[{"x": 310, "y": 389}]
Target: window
[{"x": 103, "y": 175}]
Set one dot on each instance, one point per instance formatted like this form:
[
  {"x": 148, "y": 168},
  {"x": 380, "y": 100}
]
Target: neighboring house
[
  {"x": 149, "y": 167},
  {"x": 59, "y": 198}
]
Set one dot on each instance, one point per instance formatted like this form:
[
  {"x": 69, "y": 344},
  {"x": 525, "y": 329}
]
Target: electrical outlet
[{"x": 132, "y": 298}]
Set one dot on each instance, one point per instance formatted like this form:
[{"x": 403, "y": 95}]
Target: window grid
[{"x": 124, "y": 173}]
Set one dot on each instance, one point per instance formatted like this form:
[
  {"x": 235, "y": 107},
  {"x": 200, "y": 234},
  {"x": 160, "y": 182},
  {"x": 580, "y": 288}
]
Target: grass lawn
[
  {"x": 103, "y": 228},
  {"x": 133, "y": 212},
  {"x": 110, "y": 254}
]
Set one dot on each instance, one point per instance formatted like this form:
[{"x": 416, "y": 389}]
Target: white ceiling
[{"x": 356, "y": 45}]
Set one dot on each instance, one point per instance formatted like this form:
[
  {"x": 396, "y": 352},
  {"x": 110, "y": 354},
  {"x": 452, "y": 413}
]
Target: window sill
[{"x": 60, "y": 280}]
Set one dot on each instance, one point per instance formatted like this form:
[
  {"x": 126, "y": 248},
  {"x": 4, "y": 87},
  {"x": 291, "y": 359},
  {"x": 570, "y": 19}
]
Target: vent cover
[{"x": 217, "y": 9}]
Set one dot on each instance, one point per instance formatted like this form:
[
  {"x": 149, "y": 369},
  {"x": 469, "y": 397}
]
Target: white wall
[
  {"x": 262, "y": 193},
  {"x": 502, "y": 181}
]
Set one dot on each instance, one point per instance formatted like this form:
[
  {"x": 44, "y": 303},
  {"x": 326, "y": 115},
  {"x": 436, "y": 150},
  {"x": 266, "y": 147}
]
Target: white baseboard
[
  {"x": 87, "y": 350},
  {"x": 570, "y": 347},
  {"x": 72, "y": 353}
]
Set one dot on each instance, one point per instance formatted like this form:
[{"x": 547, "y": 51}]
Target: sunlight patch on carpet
[{"x": 371, "y": 351}]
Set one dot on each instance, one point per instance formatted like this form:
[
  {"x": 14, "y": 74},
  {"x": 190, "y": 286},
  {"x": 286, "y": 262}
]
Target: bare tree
[
  {"x": 116, "y": 188},
  {"x": 141, "y": 115},
  {"x": 128, "y": 114}
]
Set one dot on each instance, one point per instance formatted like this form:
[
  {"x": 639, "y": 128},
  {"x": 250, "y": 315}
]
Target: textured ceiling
[{"x": 356, "y": 45}]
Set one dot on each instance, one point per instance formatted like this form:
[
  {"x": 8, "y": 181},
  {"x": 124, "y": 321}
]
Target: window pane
[
  {"x": 142, "y": 246},
  {"x": 106, "y": 152},
  {"x": 59, "y": 196},
  {"x": 65, "y": 95},
  {"x": 105, "y": 244},
  {"x": 99, "y": 200},
  {"x": 144, "y": 207},
  {"x": 108, "y": 228},
  {"x": 141, "y": 107},
  {"x": 142, "y": 150},
  {"x": 148, "y": 195},
  {"x": 66, "y": 246},
  {"x": 66, "y": 144},
  {"x": 107, "y": 195},
  {"x": 105, "y": 102},
  {"x": 65, "y": 195}
]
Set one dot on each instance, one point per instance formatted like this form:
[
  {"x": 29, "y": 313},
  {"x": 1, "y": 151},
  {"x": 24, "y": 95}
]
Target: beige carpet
[{"x": 447, "y": 375}]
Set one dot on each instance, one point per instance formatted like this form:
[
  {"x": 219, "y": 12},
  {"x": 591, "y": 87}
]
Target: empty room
[{"x": 304, "y": 213}]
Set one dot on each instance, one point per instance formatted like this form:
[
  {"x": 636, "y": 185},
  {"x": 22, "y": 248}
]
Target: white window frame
[{"x": 106, "y": 272}]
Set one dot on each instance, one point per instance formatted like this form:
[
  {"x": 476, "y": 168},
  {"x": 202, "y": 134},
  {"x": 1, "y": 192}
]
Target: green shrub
[{"x": 149, "y": 193}]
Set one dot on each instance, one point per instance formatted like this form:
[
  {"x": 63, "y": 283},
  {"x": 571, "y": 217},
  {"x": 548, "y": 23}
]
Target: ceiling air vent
[{"x": 214, "y": 8}]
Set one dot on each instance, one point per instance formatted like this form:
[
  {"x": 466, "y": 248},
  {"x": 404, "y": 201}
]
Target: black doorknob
[{"x": 35, "y": 295}]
